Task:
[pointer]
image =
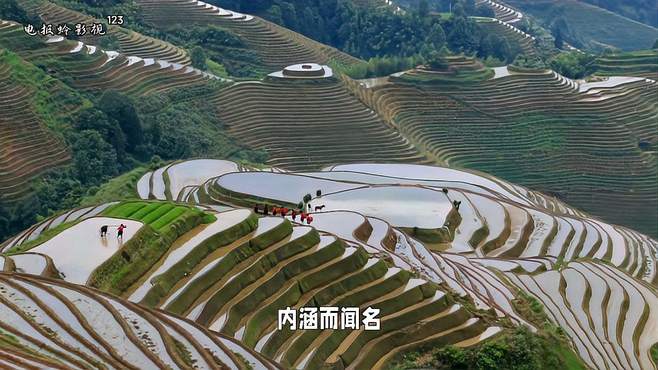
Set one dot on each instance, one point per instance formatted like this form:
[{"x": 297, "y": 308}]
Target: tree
[
  {"x": 458, "y": 10},
  {"x": 560, "y": 29},
  {"x": 274, "y": 14},
  {"x": 436, "y": 37},
  {"x": 94, "y": 159},
  {"x": 109, "y": 129},
  {"x": 437, "y": 60},
  {"x": 423, "y": 8},
  {"x": 485, "y": 11},
  {"x": 11, "y": 10},
  {"x": 469, "y": 7},
  {"x": 289, "y": 15},
  {"x": 573, "y": 64},
  {"x": 464, "y": 35},
  {"x": 559, "y": 39},
  {"x": 119, "y": 107},
  {"x": 198, "y": 58}
]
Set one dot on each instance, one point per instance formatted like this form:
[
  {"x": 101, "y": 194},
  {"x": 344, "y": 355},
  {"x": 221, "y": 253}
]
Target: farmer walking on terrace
[{"x": 120, "y": 231}]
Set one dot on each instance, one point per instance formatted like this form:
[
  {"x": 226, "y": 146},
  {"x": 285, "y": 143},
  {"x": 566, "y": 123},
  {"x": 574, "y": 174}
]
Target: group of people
[
  {"x": 120, "y": 229},
  {"x": 283, "y": 211}
]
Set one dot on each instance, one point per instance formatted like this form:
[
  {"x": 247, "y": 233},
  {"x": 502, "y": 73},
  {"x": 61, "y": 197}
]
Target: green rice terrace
[
  {"x": 450, "y": 248},
  {"x": 171, "y": 190}
]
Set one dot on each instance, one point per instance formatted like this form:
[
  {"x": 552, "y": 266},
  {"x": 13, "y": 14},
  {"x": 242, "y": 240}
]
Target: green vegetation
[
  {"x": 183, "y": 353},
  {"x": 517, "y": 349},
  {"x": 589, "y": 27},
  {"x": 165, "y": 282},
  {"x": 159, "y": 215},
  {"x": 198, "y": 58},
  {"x": 638, "y": 63},
  {"x": 13, "y": 11},
  {"x": 381, "y": 66},
  {"x": 164, "y": 223},
  {"x": 378, "y": 32},
  {"x": 639, "y": 10},
  {"x": 119, "y": 188},
  {"x": 10, "y": 342},
  {"x": 214, "y": 45},
  {"x": 182, "y": 124},
  {"x": 654, "y": 353},
  {"x": 108, "y": 135},
  {"x": 573, "y": 64}
]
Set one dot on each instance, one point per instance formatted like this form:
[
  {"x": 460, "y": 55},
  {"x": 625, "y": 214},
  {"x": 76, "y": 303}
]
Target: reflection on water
[{"x": 403, "y": 206}]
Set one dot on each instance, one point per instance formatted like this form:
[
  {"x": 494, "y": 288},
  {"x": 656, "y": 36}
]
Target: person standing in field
[
  {"x": 120, "y": 231},
  {"x": 104, "y": 231}
]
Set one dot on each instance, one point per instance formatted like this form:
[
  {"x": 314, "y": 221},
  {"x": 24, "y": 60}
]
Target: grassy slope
[
  {"x": 119, "y": 188},
  {"x": 596, "y": 27}
]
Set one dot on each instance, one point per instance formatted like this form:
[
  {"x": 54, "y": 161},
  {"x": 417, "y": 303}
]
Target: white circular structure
[{"x": 304, "y": 70}]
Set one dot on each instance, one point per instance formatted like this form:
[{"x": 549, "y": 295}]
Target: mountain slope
[
  {"x": 459, "y": 286},
  {"x": 570, "y": 135},
  {"x": 592, "y": 27}
]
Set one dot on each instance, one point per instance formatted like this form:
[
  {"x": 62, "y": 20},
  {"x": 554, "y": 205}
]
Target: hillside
[
  {"x": 307, "y": 184},
  {"x": 528, "y": 114},
  {"x": 640, "y": 63},
  {"x": 231, "y": 273},
  {"x": 29, "y": 148},
  {"x": 276, "y": 46},
  {"x": 588, "y": 26},
  {"x": 309, "y": 123},
  {"x": 643, "y": 10},
  {"x": 47, "y": 323}
]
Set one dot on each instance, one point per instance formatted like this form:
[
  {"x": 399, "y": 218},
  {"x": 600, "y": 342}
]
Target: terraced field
[
  {"x": 595, "y": 27},
  {"x": 493, "y": 222},
  {"x": 47, "y": 323},
  {"x": 308, "y": 124},
  {"x": 352, "y": 210},
  {"x": 610, "y": 315},
  {"x": 503, "y": 13},
  {"x": 130, "y": 42},
  {"x": 519, "y": 40},
  {"x": 232, "y": 274},
  {"x": 639, "y": 63},
  {"x": 581, "y": 141},
  {"x": 276, "y": 46},
  {"x": 27, "y": 147},
  {"x": 52, "y": 223},
  {"x": 90, "y": 68}
]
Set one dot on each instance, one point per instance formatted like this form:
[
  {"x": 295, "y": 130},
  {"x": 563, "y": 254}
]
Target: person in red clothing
[
  {"x": 294, "y": 215},
  {"x": 303, "y": 217},
  {"x": 309, "y": 219},
  {"x": 120, "y": 231},
  {"x": 284, "y": 211}
]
